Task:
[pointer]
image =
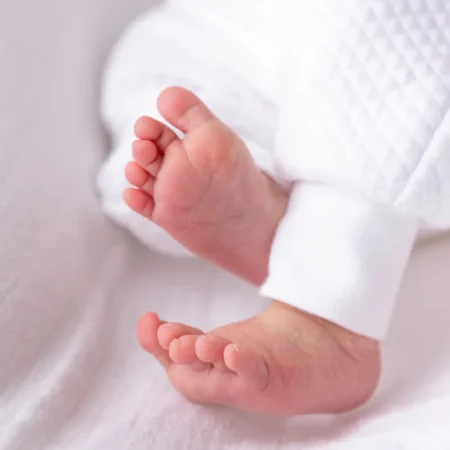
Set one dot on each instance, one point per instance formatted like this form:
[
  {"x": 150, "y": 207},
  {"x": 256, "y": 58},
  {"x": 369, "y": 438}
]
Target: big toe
[
  {"x": 183, "y": 109},
  {"x": 147, "y": 331}
]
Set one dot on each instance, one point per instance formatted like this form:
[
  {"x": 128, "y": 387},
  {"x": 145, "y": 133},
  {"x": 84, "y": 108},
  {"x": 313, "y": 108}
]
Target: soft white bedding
[{"x": 72, "y": 285}]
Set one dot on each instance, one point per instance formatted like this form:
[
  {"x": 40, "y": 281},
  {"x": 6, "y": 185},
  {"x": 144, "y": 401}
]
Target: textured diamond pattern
[{"x": 368, "y": 102}]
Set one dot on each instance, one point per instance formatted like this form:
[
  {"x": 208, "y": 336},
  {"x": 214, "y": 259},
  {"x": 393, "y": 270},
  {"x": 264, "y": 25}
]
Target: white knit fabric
[{"x": 351, "y": 97}]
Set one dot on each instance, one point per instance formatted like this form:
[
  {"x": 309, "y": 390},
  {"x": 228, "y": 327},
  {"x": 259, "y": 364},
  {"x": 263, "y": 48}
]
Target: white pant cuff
[{"x": 341, "y": 258}]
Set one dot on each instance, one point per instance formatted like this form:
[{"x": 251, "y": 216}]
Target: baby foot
[
  {"x": 281, "y": 362},
  {"x": 205, "y": 190}
]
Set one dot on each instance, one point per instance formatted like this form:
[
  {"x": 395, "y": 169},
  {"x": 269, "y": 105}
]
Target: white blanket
[{"x": 72, "y": 285}]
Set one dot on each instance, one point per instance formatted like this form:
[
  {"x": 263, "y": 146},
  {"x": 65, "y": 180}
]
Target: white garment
[{"x": 351, "y": 97}]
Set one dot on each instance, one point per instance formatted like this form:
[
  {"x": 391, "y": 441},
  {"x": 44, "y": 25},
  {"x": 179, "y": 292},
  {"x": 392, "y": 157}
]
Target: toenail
[{"x": 236, "y": 348}]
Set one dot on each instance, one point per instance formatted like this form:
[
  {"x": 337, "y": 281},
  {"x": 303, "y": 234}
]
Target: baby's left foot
[
  {"x": 205, "y": 190},
  {"x": 282, "y": 362}
]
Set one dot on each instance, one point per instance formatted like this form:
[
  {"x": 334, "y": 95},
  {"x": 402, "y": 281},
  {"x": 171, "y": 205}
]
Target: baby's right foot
[
  {"x": 282, "y": 362},
  {"x": 205, "y": 190}
]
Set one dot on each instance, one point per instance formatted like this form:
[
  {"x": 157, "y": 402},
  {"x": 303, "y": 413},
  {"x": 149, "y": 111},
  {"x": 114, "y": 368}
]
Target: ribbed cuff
[{"x": 341, "y": 258}]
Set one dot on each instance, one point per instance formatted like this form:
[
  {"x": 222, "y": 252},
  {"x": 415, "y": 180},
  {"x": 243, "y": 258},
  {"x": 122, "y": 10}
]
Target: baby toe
[
  {"x": 247, "y": 364},
  {"x": 170, "y": 331},
  {"x": 182, "y": 350},
  {"x": 140, "y": 202},
  {"x": 147, "y": 330},
  {"x": 210, "y": 349},
  {"x": 136, "y": 175},
  {"x": 154, "y": 167},
  {"x": 144, "y": 152},
  {"x": 149, "y": 129}
]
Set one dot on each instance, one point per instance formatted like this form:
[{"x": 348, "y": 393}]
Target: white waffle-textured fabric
[
  {"x": 351, "y": 97},
  {"x": 367, "y": 115}
]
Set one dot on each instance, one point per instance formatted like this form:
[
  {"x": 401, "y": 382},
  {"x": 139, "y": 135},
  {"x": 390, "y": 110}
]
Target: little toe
[
  {"x": 139, "y": 177},
  {"x": 140, "y": 202},
  {"x": 144, "y": 152},
  {"x": 247, "y": 365},
  {"x": 150, "y": 129},
  {"x": 147, "y": 331},
  {"x": 210, "y": 349},
  {"x": 171, "y": 331}
]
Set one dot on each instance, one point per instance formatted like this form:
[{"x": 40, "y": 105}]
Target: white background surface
[{"x": 72, "y": 285}]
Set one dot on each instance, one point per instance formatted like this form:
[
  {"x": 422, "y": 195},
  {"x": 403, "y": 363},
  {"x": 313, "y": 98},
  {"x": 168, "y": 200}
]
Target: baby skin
[{"x": 206, "y": 191}]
